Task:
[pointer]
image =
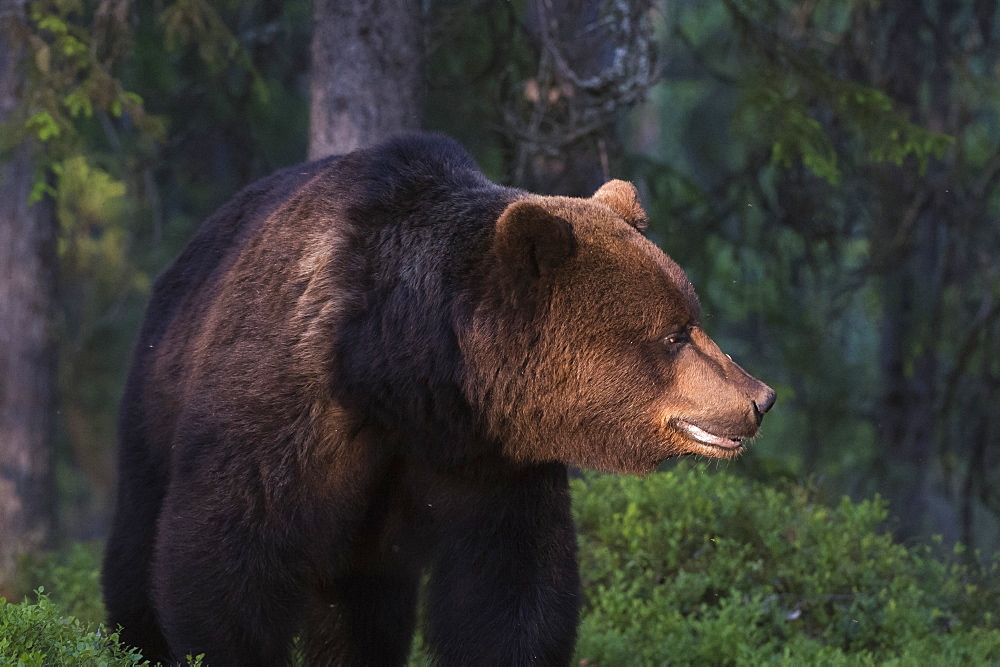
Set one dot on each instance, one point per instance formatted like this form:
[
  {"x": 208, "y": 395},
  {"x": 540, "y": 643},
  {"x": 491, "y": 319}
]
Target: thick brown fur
[{"x": 368, "y": 367}]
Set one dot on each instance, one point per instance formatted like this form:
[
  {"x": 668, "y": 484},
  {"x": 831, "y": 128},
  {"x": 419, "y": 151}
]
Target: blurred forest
[{"x": 825, "y": 170}]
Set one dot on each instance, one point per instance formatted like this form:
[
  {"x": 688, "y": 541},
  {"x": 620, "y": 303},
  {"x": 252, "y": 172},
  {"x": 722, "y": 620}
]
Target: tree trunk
[
  {"x": 567, "y": 27},
  {"x": 27, "y": 279},
  {"x": 595, "y": 60},
  {"x": 367, "y": 73},
  {"x": 913, "y": 220}
]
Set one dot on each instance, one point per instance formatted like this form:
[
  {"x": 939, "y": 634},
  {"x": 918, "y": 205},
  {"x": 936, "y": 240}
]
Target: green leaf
[
  {"x": 43, "y": 125},
  {"x": 53, "y": 24}
]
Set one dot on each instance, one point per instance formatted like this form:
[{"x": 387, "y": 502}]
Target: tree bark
[
  {"x": 367, "y": 78},
  {"x": 567, "y": 27},
  {"x": 595, "y": 60},
  {"x": 27, "y": 368},
  {"x": 912, "y": 220}
]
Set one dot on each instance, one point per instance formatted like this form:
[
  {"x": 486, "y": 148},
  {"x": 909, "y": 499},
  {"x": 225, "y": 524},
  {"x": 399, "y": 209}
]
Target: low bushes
[
  {"x": 693, "y": 567},
  {"x": 39, "y": 633},
  {"x": 682, "y": 567}
]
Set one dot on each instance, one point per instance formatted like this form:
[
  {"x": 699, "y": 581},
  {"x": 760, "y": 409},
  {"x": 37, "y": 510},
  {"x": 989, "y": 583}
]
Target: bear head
[{"x": 585, "y": 344}]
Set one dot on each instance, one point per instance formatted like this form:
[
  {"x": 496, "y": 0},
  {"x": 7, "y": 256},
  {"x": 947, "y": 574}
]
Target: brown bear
[{"x": 366, "y": 368}]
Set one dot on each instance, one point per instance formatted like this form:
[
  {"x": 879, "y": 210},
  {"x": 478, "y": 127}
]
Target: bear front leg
[
  {"x": 505, "y": 587},
  {"x": 362, "y": 619},
  {"x": 364, "y": 613}
]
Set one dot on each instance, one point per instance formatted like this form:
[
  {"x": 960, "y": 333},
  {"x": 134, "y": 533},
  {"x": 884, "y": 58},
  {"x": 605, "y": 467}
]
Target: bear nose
[{"x": 763, "y": 404}]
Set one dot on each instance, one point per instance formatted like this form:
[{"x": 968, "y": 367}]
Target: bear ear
[
  {"x": 532, "y": 240},
  {"x": 622, "y": 198}
]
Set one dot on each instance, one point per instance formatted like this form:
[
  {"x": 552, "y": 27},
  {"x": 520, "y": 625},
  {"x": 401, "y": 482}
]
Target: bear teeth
[{"x": 704, "y": 437}]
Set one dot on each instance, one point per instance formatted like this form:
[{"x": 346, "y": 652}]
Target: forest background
[{"x": 825, "y": 171}]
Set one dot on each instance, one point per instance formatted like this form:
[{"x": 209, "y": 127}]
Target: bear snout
[{"x": 763, "y": 403}]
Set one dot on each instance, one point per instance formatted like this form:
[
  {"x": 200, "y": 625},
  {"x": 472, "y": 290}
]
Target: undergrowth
[{"x": 679, "y": 568}]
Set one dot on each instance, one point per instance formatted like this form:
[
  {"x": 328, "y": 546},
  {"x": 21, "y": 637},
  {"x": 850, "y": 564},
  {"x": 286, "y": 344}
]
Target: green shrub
[
  {"x": 39, "y": 633},
  {"x": 681, "y": 567},
  {"x": 63, "y": 626},
  {"x": 685, "y": 567}
]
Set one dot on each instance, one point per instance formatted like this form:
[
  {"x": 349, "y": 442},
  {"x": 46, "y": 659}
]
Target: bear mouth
[{"x": 719, "y": 446}]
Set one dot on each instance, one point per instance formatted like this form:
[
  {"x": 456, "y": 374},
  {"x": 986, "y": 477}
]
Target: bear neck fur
[{"x": 398, "y": 358}]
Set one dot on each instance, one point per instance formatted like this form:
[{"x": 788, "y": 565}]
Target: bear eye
[{"x": 677, "y": 339}]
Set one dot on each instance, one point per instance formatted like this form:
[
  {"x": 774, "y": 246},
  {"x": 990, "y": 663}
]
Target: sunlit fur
[{"x": 595, "y": 383}]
